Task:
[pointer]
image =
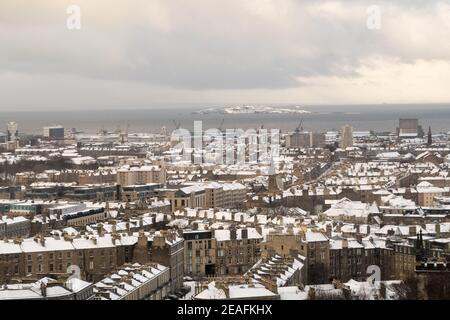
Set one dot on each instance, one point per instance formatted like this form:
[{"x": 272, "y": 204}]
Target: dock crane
[
  {"x": 177, "y": 125},
  {"x": 221, "y": 124},
  {"x": 299, "y": 127}
]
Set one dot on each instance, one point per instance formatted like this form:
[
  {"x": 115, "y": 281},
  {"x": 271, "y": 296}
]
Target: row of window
[
  {"x": 51, "y": 267},
  {"x": 68, "y": 255}
]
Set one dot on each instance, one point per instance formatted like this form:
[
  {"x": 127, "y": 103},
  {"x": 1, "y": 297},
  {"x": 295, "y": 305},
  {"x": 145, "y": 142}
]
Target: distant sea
[{"x": 382, "y": 117}]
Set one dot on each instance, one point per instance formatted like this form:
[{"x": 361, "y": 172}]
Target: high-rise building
[
  {"x": 127, "y": 175},
  {"x": 317, "y": 140},
  {"x": 54, "y": 132},
  {"x": 430, "y": 137},
  {"x": 12, "y": 131},
  {"x": 303, "y": 139},
  {"x": 346, "y": 137},
  {"x": 408, "y": 128},
  {"x": 300, "y": 139}
]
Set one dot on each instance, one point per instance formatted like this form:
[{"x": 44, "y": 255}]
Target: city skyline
[{"x": 244, "y": 151}]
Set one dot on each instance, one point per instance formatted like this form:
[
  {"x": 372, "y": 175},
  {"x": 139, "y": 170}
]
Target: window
[
  {"x": 29, "y": 258},
  {"x": 29, "y": 269},
  {"x": 51, "y": 268}
]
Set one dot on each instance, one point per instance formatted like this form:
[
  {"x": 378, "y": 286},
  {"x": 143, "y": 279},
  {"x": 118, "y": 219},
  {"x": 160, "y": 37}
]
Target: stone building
[
  {"x": 200, "y": 251},
  {"x": 94, "y": 255},
  {"x": 48, "y": 289},
  {"x": 136, "y": 281},
  {"x": 404, "y": 261},
  {"x": 141, "y": 175},
  {"x": 237, "y": 250},
  {"x": 315, "y": 247},
  {"x": 167, "y": 248},
  {"x": 14, "y": 227},
  {"x": 221, "y": 252}
]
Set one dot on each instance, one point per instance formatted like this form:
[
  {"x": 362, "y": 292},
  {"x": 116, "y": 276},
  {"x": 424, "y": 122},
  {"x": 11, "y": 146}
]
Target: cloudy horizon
[{"x": 199, "y": 52}]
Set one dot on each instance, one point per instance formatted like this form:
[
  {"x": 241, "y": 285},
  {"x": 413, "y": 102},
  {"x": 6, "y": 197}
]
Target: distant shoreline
[{"x": 320, "y": 118}]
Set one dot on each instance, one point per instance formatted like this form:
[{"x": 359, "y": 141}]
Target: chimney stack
[
  {"x": 42, "y": 238},
  {"x": 359, "y": 238},
  {"x": 412, "y": 231},
  {"x": 438, "y": 230},
  {"x": 345, "y": 243},
  {"x": 43, "y": 289},
  {"x": 233, "y": 235},
  {"x": 100, "y": 229},
  {"x": 329, "y": 229}
]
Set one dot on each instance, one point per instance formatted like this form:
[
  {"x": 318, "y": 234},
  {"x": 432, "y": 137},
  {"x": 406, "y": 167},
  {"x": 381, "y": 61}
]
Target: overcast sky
[{"x": 145, "y": 53}]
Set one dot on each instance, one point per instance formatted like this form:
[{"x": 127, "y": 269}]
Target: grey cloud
[{"x": 203, "y": 45}]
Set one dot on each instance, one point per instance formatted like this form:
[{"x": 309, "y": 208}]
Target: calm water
[{"x": 363, "y": 117}]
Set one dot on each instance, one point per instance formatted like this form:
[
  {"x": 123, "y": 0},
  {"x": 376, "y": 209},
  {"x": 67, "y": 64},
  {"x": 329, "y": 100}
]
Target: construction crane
[
  {"x": 299, "y": 127},
  {"x": 177, "y": 125},
  {"x": 221, "y": 124},
  {"x": 103, "y": 131}
]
